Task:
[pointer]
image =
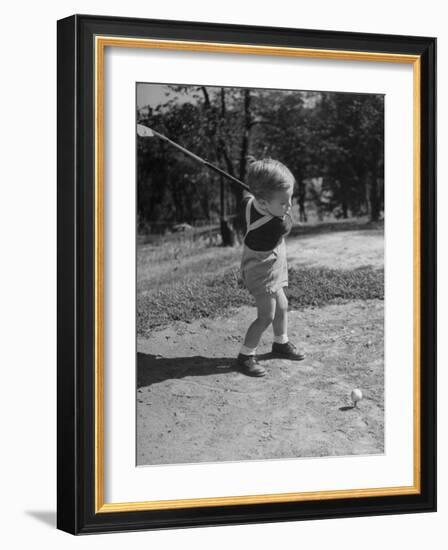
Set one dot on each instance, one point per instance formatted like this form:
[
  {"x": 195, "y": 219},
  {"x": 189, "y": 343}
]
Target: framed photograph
[{"x": 246, "y": 274}]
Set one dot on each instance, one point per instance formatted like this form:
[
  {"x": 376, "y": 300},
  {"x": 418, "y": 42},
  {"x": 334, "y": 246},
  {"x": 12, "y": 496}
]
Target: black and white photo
[{"x": 260, "y": 274}]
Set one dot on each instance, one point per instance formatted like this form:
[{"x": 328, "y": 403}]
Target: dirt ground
[
  {"x": 338, "y": 250},
  {"x": 194, "y": 406}
]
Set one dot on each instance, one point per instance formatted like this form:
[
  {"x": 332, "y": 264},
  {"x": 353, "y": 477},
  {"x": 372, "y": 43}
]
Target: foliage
[{"x": 332, "y": 142}]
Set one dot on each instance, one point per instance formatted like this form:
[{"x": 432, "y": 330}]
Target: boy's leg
[
  {"x": 280, "y": 322},
  {"x": 282, "y": 346},
  {"x": 265, "y": 316}
]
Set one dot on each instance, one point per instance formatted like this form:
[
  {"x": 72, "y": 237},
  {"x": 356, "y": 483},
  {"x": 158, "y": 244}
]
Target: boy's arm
[{"x": 241, "y": 216}]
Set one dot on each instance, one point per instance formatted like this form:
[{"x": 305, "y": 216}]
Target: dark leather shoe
[
  {"x": 288, "y": 351},
  {"x": 249, "y": 365}
]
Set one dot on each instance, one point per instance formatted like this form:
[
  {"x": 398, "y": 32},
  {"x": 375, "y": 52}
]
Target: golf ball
[{"x": 356, "y": 395}]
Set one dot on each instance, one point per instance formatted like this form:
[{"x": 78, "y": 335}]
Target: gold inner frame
[{"x": 101, "y": 42}]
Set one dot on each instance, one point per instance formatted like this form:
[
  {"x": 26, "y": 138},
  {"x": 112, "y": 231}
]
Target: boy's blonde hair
[{"x": 267, "y": 176}]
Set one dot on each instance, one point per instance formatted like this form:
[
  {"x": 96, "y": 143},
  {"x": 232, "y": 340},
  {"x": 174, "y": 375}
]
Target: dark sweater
[{"x": 269, "y": 235}]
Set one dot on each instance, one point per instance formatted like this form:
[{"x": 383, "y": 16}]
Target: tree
[{"x": 332, "y": 142}]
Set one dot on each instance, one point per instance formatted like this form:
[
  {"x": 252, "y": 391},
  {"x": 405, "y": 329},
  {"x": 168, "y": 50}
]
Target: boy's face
[{"x": 279, "y": 203}]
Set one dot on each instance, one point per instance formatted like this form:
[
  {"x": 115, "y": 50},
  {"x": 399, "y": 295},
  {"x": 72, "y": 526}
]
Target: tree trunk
[
  {"x": 374, "y": 197},
  {"x": 227, "y": 233},
  {"x": 367, "y": 195},
  {"x": 344, "y": 199},
  {"x": 246, "y": 130},
  {"x": 301, "y": 200},
  {"x": 222, "y": 196},
  {"x": 237, "y": 190}
]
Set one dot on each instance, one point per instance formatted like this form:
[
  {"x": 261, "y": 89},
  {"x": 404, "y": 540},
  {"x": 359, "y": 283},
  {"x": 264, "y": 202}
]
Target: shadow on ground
[{"x": 152, "y": 369}]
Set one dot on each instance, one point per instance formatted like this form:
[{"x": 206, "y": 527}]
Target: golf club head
[{"x": 144, "y": 131}]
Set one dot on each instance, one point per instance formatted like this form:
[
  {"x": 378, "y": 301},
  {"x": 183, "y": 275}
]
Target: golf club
[{"x": 145, "y": 131}]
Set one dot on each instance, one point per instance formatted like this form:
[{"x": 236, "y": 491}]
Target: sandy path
[
  {"x": 193, "y": 406},
  {"x": 338, "y": 250}
]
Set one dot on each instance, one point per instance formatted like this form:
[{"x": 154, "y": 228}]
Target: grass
[
  {"x": 162, "y": 268},
  {"x": 209, "y": 295}
]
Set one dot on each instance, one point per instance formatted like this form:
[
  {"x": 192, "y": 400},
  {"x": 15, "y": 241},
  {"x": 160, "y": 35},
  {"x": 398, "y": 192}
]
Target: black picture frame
[{"x": 77, "y": 493}]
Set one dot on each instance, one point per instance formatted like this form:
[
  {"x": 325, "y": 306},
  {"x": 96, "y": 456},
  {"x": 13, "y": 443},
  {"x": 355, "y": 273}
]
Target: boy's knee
[
  {"x": 282, "y": 303},
  {"x": 283, "y": 306},
  {"x": 266, "y": 319}
]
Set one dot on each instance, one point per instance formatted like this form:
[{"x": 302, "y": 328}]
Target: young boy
[{"x": 264, "y": 267}]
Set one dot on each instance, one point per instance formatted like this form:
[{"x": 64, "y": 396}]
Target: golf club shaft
[{"x": 202, "y": 161}]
